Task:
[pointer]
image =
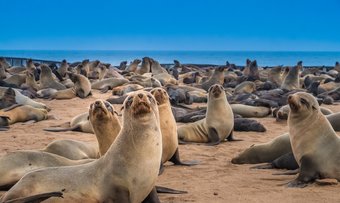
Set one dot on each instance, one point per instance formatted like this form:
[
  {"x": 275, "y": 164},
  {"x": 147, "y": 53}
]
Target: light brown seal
[
  {"x": 22, "y": 114},
  {"x": 315, "y": 145},
  {"x": 47, "y": 80},
  {"x": 128, "y": 170},
  {"x": 213, "y": 129},
  {"x": 291, "y": 80}
]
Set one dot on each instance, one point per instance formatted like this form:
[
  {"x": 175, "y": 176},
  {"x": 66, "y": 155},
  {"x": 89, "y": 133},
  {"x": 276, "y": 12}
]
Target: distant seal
[
  {"x": 63, "y": 68},
  {"x": 105, "y": 123},
  {"x": 291, "y": 81},
  {"x": 8, "y": 99},
  {"x": 216, "y": 78},
  {"x": 213, "y": 129},
  {"x": 124, "y": 89},
  {"x": 168, "y": 126},
  {"x": 81, "y": 88},
  {"x": 47, "y": 80},
  {"x": 133, "y": 66},
  {"x": 245, "y": 124},
  {"x": 129, "y": 169},
  {"x": 22, "y": 99},
  {"x": 156, "y": 68},
  {"x": 250, "y": 111},
  {"x": 145, "y": 67},
  {"x": 245, "y": 87},
  {"x": 108, "y": 83},
  {"x": 78, "y": 123},
  {"x": 274, "y": 75},
  {"x": 317, "y": 152},
  {"x": 22, "y": 114}
]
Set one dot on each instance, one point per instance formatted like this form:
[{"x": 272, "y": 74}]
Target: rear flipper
[
  {"x": 4, "y": 128},
  {"x": 286, "y": 161},
  {"x": 36, "y": 198},
  {"x": 177, "y": 161},
  {"x": 161, "y": 189}
]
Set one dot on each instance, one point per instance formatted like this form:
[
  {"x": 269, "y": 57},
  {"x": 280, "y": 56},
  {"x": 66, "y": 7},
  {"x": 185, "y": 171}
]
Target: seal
[
  {"x": 72, "y": 149},
  {"x": 317, "y": 152},
  {"x": 133, "y": 65},
  {"x": 216, "y": 78},
  {"x": 79, "y": 123},
  {"x": 212, "y": 129},
  {"x": 124, "y": 89},
  {"x": 274, "y": 75},
  {"x": 145, "y": 67},
  {"x": 168, "y": 126},
  {"x": 81, "y": 88},
  {"x": 14, "y": 165},
  {"x": 47, "y": 80},
  {"x": 250, "y": 111},
  {"x": 22, "y": 114},
  {"x": 129, "y": 169},
  {"x": 266, "y": 152},
  {"x": 22, "y": 99},
  {"x": 245, "y": 87},
  {"x": 108, "y": 83},
  {"x": 62, "y": 70},
  {"x": 291, "y": 81},
  {"x": 8, "y": 99},
  {"x": 105, "y": 123}
]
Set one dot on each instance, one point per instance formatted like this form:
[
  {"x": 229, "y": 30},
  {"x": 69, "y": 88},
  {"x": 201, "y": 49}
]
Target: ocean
[{"x": 264, "y": 58}]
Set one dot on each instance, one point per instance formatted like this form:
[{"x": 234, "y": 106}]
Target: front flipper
[
  {"x": 263, "y": 166},
  {"x": 152, "y": 197},
  {"x": 231, "y": 137},
  {"x": 308, "y": 173},
  {"x": 214, "y": 139},
  {"x": 161, "y": 189},
  {"x": 36, "y": 198},
  {"x": 286, "y": 161},
  {"x": 177, "y": 161}
]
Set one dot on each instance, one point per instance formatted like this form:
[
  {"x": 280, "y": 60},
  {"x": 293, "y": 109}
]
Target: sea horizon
[{"x": 216, "y": 57}]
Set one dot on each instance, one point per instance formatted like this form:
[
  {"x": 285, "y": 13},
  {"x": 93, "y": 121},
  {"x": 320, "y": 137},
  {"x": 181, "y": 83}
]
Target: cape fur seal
[
  {"x": 14, "y": 165},
  {"x": 105, "y": 123},
  {"x": 47, "y": 80},
  {"x": 315, "y": 145},
  {"x": 216, "y": 78},
  {"x": 213, "y": 129},
  {"x": 78, "y": 123},
  {"x": 291, "y": 80},
  {"x": 129, "y": 169},
  {"x": 21, "y": 114},
  {"x": 81, "y": 88},
  {"x": 133, "y": 65},
  {"x": 168, "y": 126}
]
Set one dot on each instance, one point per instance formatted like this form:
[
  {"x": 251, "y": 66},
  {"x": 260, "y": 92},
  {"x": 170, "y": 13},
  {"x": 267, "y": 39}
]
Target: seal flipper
[
  {"x": 214, "y": 139},
  {"x": 308, "y": 173},
  {"x": 177, "y": 161},
  {"x": 76, "y": 128},
  {"x": 231, "y": 137},
  {"x": 152, "y": 197},
  {"x": 104, "y": 89},
  {"x": 161, "y": 189},
  {"x": 286, "y": 161},
  {"x": 120, "y": 194},
  {"x": 36, "y": 198}
]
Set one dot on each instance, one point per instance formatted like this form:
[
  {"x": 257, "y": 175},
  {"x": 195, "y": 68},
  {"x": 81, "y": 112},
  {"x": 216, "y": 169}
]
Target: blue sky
[{"x": 171, "y": 25}]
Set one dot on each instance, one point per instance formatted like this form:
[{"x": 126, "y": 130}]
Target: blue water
[{"x": 264, "y": 58}]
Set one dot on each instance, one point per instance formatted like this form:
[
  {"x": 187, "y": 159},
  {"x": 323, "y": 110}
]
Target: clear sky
[{"x": 267, "y": 25}]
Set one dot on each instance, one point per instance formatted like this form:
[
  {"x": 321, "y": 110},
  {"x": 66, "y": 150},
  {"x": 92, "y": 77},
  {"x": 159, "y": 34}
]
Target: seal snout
[{"x": 141, "y": 104}]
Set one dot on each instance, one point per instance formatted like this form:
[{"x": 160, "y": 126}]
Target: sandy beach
[{"x": 215, "y": 179}]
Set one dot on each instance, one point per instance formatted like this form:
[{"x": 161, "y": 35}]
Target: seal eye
[
  {"x": 304, "y": 102},
  {"x": 151, "y": 99},
  {"x": 129, "y": 101}
]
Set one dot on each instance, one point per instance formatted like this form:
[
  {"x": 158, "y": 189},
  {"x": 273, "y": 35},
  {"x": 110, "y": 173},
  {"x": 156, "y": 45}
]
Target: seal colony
[{"x": 209, "y": 105}]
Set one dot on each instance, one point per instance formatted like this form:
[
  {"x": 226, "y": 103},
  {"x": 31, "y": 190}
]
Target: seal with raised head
[
  {"x": 168, "y": 128},
  {"x": 315, "y": 145},
  {"x": 129, "y": 169},
  {"x": 47, "y": 80},
  {"x": 105, "y": 123},
  {"x": 213, "y": 129},
  {"x": 291, "y": 80}
]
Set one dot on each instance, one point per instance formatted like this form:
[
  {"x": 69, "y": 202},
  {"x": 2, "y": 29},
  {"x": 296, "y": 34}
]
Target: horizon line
[{"x": 217, "y": 50}]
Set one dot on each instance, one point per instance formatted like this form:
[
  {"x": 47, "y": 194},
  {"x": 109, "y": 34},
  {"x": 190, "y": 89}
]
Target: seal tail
[
  {"x": 161, "y": 189},
  {"x": 36, "y": 198}
]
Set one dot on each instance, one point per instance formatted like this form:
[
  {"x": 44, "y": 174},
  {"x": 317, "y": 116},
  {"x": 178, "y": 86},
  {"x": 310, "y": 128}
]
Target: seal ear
[{"x": 314, "y": 108}]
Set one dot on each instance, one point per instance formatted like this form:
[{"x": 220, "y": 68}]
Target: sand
[{"x": 215, "y": 179}]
